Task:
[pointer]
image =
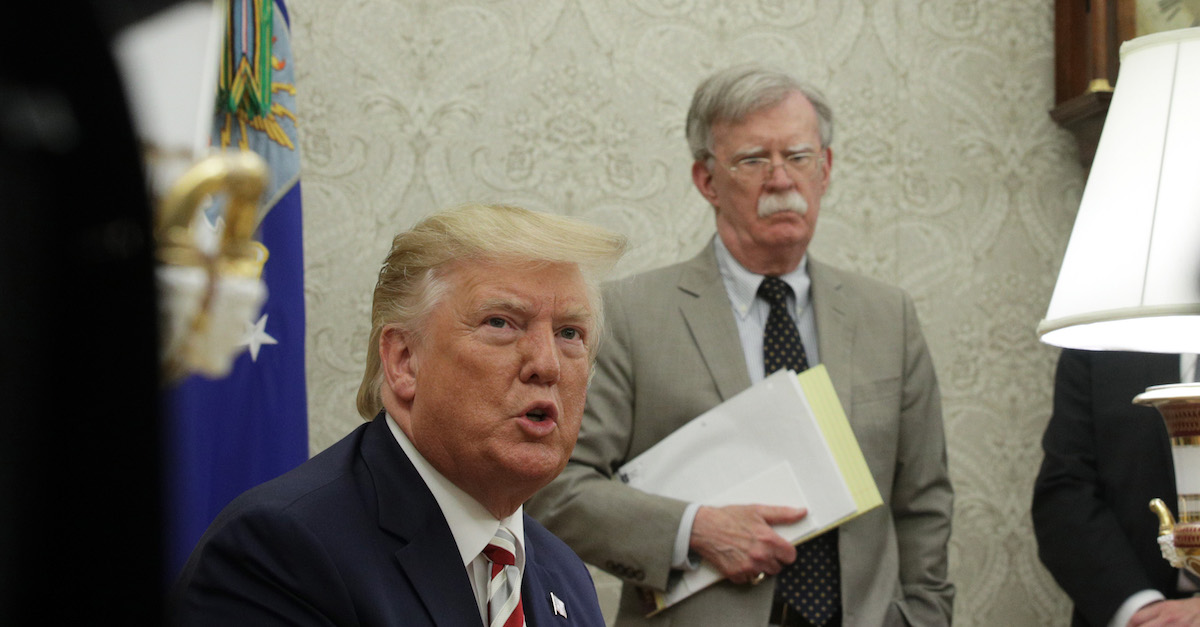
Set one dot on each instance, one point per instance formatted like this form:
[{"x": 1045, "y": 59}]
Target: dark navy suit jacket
[
  {"x": 1105, "y": 458},
  {"x": 354, "y": 537}
]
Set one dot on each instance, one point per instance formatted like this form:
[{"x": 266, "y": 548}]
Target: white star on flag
[{"x": 255, "y": 336}]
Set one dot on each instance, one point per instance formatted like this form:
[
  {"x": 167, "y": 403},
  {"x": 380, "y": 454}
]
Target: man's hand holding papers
[{"x": 754, "y": 548}]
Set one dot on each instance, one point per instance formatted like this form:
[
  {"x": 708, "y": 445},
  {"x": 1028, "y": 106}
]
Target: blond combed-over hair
[{"x": 410, "y": 281}]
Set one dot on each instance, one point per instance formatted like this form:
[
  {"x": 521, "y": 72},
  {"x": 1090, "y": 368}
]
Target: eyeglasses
[{"x": 759, "y": 169}]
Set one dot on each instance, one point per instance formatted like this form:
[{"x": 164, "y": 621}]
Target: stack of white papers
[{"x": 784, "y": 441}]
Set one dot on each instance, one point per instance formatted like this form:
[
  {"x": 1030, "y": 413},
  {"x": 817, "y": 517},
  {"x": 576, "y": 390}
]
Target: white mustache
[{"x": 770, "y": 204}]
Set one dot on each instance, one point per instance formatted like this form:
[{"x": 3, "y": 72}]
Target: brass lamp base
[{"x": 1179, "y": 405}]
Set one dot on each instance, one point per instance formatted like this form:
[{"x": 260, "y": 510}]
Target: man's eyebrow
[
  {"x": 748, "y": 151},
  {"x": 805, "y": 147},
  {"x": 510, "y": 305},
  {"x": 755, "y": 151},
  {"x": 576, "y": 315}
]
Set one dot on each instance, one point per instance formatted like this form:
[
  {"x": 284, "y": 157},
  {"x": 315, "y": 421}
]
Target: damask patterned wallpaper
[{"x": 949, "y": 179}]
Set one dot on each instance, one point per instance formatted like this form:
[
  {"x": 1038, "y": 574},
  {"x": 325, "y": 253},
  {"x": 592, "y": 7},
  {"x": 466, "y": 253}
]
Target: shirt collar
[
  {"x": 742, "y": 284},
  {"x": 471, "y": 524}
]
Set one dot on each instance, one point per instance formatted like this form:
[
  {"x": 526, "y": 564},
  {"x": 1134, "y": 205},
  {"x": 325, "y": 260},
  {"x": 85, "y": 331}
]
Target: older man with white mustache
[{"x": 687, "y": 337}]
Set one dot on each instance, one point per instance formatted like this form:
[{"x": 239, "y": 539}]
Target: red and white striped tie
[{"x": 504, "y": 588}]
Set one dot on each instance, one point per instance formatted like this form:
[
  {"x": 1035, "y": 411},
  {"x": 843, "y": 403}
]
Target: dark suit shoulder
[
  {"x": 1143, "y": 368},
  {"x": 307, "y": 480},
  {"x": 272, "y": 555},
  {"x": 326, "y": 544}
]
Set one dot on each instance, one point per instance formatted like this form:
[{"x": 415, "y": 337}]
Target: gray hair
[
  {"x": 734, "y": 93},
  {"x": 411, "y": 282}
]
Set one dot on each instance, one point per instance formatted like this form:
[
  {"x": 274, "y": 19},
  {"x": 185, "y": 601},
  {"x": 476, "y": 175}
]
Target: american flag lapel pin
[{"x": 560, "y": 609}]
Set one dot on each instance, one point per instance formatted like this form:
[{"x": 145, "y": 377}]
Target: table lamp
[{"x": 1130, "y": 279}]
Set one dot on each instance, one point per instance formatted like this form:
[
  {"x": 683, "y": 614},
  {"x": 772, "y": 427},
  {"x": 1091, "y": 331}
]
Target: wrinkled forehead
[
  {"x": 792, "y": 121},
  {"x": 521, "y": 285}
]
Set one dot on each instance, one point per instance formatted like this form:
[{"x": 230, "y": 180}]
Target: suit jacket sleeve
[
  {"x": 586, "y": 505},
  {"x": 1104, "y": 459},
  {"x": 922, "y": 496}
]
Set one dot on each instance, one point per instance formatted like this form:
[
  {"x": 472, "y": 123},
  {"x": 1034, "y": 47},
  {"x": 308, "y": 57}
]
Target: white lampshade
[{"x": 1130, "y": 279}]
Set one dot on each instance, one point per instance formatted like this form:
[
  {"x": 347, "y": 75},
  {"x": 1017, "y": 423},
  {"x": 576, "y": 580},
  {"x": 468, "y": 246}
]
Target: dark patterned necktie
[{"x": 811, "y": 584}]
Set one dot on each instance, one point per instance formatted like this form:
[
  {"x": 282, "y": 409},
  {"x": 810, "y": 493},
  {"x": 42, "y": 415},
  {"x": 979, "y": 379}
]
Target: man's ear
[
  {"x": 702, "y": 177},
  {"x": 399, "y": 363},
  {"x": 826, "y": 169}
]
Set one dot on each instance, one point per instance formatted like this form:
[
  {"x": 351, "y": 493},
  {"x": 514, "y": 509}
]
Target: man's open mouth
[{"x": 541, "y": 411}]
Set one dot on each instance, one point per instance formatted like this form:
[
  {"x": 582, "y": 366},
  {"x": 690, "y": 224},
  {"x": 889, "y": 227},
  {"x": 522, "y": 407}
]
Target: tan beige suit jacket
[{"x": 671, "y": 353}]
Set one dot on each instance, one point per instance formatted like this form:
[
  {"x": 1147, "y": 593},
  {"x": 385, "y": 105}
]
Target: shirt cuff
[
  {"x": 1131, "y": 605},
  {"x": 681, "y": 556}
]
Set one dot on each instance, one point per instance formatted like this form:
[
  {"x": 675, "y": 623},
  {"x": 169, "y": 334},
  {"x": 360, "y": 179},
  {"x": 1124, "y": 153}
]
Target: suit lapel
[
  {"x": 439, "y": 578},
  {"x": 835, "y": 328},
  {"x": 542, "y": 582},
  {"x": 429, "y": 558},
  {"x": 535, "y": 598},
  {"x": 709, "y": 317}
]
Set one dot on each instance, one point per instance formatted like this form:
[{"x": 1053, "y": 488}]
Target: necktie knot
[
  {"x": 782, "y": 347},
  {"x": 502, "y": 549},
  {"x": 775, "y": 291}
]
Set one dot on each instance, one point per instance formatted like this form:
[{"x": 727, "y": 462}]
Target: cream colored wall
[{"x": 949, "y": 180}]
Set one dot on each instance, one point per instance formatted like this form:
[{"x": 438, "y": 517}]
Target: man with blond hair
[
  {"x": 484, "y": 328},
  {"x": 689, "y": 336}
]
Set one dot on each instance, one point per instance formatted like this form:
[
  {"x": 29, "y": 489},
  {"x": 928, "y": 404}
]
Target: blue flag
[{"x": 228, "y": 435}]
